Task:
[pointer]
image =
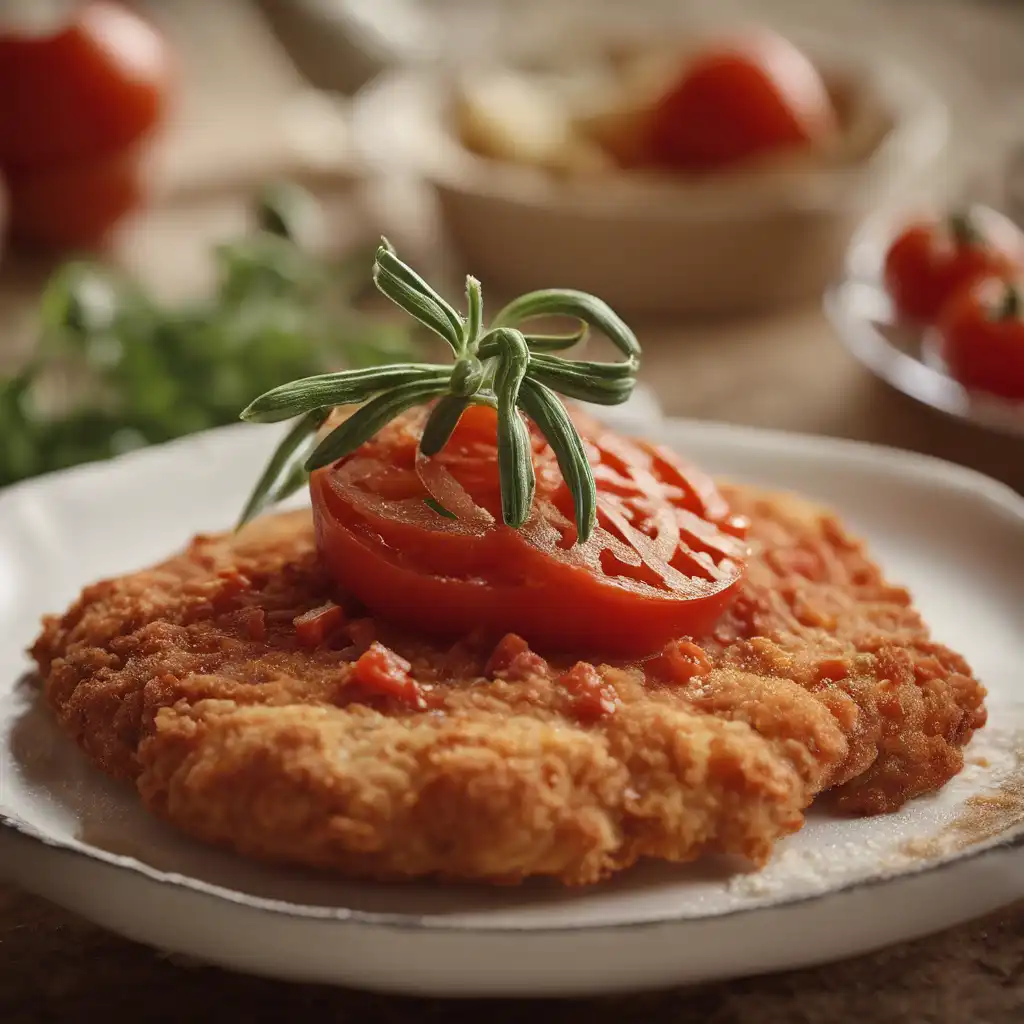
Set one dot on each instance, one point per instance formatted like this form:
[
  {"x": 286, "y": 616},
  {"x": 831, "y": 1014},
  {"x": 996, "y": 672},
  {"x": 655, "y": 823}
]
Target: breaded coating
[{"x": 190, "y": 680}]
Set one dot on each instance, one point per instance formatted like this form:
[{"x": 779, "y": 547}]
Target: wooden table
[{"x": 786, "y": 371}]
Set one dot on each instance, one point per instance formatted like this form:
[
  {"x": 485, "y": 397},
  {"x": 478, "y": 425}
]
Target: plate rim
[
  {"x": 979, "y": 486},
  {"x": 1011, "y": 841}
]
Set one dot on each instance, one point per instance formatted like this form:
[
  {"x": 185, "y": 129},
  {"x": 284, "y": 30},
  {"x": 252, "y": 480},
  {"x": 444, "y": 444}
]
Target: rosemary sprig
[{"x": 503, "y": 366}]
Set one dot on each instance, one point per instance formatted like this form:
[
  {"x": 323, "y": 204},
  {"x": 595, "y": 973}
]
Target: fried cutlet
[{"x": 189, "y": 680}]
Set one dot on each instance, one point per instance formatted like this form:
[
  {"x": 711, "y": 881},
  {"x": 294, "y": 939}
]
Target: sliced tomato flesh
[
  {"x": 315, "y": 627},
  {"x": 662, "y": 562}
]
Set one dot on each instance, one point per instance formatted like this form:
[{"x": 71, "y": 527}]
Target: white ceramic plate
[
  {"x": 835, "y": 889},
  {"x": 861, "y": 312}
]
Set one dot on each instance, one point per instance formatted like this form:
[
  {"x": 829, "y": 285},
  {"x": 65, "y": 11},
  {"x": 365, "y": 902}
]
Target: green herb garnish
[
  {"x": 503, "y": 366},
  {"x": 115, "y": 368}
]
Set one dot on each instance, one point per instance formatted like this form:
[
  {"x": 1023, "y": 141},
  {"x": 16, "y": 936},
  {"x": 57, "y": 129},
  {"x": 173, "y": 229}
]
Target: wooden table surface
[{"x": 785, "y": 371}]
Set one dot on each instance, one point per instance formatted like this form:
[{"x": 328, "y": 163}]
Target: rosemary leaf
[
  {"x": 544, "y": 408},
  {"x": 557, "y": 342},
  {"x": 598, "y": 372},
  {"x": 372, "y": 417},
  {"x": 345, "y": 387},
  {"x": 441, "y": 423},
  {"x": 515, "y": 453},
  {"x": 433, "y": 503},
  {"x": 542, "y": 342},
  {"x": 515, "y": 466},
  {"x": 467, "y": 377},
  {"x": 581, "y": 386},
  {"x": 403, "y": 286},
  {"x": 518, "y": 374},
  {"x": 567, "y": 302},
  {"x": 284, "y": 473},
  {"x": 513, "y": 359},
  {"x": 474, "y": 310},
  {"x": 417, "y": 305}
]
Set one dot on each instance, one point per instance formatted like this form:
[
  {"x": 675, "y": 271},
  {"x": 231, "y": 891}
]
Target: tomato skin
[
  {"x": 449, "y": 580},
  {"x": 930, "y": 260},
  {"x": 740, "y": 99},
  {"x": 76, "y": 109},
  {"x": 981, "y": 337},
  {"x": 76, "y": 206},
  {"x": 449, "y": 607},
  {"x": 90, "y": 89}
]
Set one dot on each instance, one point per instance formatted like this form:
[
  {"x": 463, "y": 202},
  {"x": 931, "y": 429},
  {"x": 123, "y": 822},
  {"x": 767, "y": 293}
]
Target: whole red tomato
[
  {"x": 738, "y": 99},
  {"x": 932, "y": 259},
  {"x": 75, "y": 206},
  {"x": 74, "y": 107},
  {"x": 981, "y": 336}
]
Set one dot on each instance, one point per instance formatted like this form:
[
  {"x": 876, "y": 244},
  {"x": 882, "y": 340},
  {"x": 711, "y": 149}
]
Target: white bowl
[
  {"x": 657, "y": 244},
  {"x": 861, "y": 311}
]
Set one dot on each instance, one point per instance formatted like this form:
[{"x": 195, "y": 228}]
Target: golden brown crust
[{"x": 188, "y": 679}]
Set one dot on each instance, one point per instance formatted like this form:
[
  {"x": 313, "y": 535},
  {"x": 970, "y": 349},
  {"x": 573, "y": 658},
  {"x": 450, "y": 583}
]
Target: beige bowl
[{"x": 655, "y": 244}]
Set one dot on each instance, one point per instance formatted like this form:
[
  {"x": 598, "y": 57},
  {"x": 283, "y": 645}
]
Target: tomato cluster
[
  {"x": 961, "y": 278},
  {"x": 76, "y": 105}
]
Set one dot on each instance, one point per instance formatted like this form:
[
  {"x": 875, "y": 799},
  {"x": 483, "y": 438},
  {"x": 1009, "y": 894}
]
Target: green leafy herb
[
  {"x": 282, "y": 476},
  {"x": 115, "y": 369},
  {"x": 504, "y": 366},
  {"x": 441, "y": 423}
]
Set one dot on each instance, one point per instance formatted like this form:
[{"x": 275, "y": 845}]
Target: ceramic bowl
[{"x": 659, "y": 244}]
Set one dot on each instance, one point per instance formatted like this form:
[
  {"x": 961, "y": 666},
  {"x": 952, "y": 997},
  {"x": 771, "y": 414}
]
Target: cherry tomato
[
  {"x": 662, "y": 562},
  {"x": 75, "y": 206},
  {"x": 743, "y": 98},
  {"x": 981, "y": 337},
  {"x": 932, "y": 259},
  {"x": 75, "y": 106},
  {"x": 91, "y": 88}
]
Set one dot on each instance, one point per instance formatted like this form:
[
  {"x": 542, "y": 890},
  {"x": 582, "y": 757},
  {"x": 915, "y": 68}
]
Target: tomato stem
[
  {"x": 1012, "y": 305},
  {"x": 963, "y": 229}
]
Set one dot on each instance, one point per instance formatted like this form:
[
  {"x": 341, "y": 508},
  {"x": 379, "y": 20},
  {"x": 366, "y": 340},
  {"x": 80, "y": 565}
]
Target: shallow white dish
[
  {"x": 861, "y": 313},
  {"x": 836, "y": 889}
]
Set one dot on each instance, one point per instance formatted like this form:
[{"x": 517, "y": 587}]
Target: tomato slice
[{"x": 662, "y": 562}]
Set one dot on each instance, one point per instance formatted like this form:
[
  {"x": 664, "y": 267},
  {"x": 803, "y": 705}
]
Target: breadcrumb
[{"x": 191, "y": 680}]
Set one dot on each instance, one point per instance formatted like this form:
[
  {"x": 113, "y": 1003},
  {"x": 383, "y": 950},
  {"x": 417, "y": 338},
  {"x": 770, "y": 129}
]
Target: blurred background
[{"x": 192, "y": 190}]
